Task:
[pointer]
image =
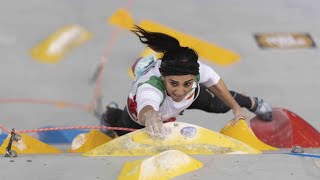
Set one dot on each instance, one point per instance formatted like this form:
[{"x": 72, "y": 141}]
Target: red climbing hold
[{"x": 286, "y": 130}]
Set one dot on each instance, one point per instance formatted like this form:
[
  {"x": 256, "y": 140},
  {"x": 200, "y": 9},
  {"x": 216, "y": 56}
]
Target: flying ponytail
[
  {"x": 158, "y": 42},
  {"x": 176, "y": 60}
]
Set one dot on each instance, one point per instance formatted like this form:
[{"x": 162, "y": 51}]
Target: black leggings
[
  {"x": 205, "y": 101},
  {"x": 209, "y": 103}
]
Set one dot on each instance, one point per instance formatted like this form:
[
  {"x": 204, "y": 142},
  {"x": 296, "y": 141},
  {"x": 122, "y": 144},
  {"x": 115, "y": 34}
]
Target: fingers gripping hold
[{"x": 154, "y": 123}]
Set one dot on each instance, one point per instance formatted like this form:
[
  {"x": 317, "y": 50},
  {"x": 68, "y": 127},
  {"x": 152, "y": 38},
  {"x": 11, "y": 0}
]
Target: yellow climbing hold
[
  {"x": 207, "y": 51},
  {"x": 54, "y": 48},
  {"x": 243, "y": 133},
  {"x": 86, "y": 141},
  {"x": 165, "y": 165},
  {"x": 29, "y": 145},
  {"x": 188, "y": 138},
  {"x": 122, "y": 18}
]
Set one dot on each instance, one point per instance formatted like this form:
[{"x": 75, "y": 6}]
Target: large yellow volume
[
  {"x": 188, "y": 138},
  {"x": 243, "y": 133},
  {"x": 206, "y": 50},
  {"x": 58, "y": 44},
  {"x": 165, "y": 165},
  {"x": 29, "y": 145},
  {"x": 86, "y": 141}
]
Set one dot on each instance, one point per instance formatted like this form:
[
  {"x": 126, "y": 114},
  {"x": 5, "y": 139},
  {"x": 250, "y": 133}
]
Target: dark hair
[{"x": 176, "y": 60}]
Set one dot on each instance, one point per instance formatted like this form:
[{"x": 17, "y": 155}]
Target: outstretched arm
[
  {"x": 148, "y": 100},
  {"x": 221, "y": 90}
]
